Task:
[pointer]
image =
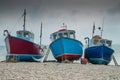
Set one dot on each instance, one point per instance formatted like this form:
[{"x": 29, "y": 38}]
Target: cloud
[
  {"x": 115, "y": 10},
  {"x": 77, "y": 14}
]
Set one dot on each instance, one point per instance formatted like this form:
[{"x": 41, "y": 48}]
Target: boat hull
[
  {"x": 66, "y": 49},
  {"x": 24, "y": 49},
  {"x": 23, "y": 57},
  {"x": 99, "y": 54}
]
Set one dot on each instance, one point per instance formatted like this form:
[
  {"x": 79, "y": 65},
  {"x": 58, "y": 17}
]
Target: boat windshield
[
  {"x": 72, "y": 35},
  {"x": 95, "y": 41},
  {"x": 102, "y": 42},
  {"x": 108, "y": 43},
  {"x": 26, "y": 35},
  {"x": 54, "y": 36},
  {"x": 66, "y": 33},
  {"x": 60, "y": 35}
]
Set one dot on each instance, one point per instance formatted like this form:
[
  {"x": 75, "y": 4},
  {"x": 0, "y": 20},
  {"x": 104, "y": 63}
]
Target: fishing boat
[
  {"x": 23, "y": 45},
  {"x": 64, "y": 46},
  {"x": 98, "y": 50}
]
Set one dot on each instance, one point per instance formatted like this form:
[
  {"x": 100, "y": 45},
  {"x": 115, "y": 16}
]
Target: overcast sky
[{"x": 78, "y": 15}]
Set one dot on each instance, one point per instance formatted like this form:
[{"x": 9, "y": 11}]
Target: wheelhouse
[
  {"x": 63, "y": 33},
  {"x": 25, "y": 35},
  {"x": 99, "y": 41}
]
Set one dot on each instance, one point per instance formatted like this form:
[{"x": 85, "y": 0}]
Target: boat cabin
[
  {"x": 97, "y": 40},
  {"x": 27, "y": 35},
  {"x": 63, "y": 33}
]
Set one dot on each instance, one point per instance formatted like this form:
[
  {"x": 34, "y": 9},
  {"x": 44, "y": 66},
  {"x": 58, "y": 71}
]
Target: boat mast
[
  {"x": 41, "y": 34},
  {"x": 64, "y": 26},
  {"x": 93, "y": 31},
  {"x": 24, "y": 15}
]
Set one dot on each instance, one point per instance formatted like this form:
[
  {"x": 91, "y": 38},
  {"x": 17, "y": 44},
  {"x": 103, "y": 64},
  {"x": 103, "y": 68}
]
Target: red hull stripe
[{"x": 68, "y": 57}]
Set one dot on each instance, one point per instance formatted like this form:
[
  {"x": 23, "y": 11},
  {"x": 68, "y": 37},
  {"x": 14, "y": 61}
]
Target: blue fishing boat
[
  {"x": 98, "y": 50},
  {"x": 64, "y": 46}
]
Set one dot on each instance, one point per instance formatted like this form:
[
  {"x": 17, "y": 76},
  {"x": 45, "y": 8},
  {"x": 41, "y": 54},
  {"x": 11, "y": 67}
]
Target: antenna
[{"x": 102, "y": 27}]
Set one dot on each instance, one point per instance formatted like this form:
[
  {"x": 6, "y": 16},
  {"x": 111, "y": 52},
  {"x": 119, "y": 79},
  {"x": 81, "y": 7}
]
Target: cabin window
[
  {"x": 19, "y": 34},
  {"x": 108, "y": 43},
  {"x": 102, "y": 41},
  {"x": 95, "y": 41},
  {"x": 65, "y": 34},
  {"x": 26, "y": 35},
  {"x": 31, "y": 36},
  {"x": 55, "y": 37},
  {"x": 72, "y": 35},
  {"x": 60, "y": 35}
]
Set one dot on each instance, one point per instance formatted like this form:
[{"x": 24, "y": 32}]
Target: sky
[{"x": 78, "y": 15}]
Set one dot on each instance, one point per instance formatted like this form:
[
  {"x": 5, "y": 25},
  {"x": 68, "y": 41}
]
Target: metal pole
[
  {"x": 24, "y": 19},
  {"x": 115, "y": 61},
  {"x": 41, "y": 34}
]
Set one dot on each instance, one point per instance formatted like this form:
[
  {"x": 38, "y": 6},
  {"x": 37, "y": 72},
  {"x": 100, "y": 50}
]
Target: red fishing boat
[{"x": 22, "y": 45}]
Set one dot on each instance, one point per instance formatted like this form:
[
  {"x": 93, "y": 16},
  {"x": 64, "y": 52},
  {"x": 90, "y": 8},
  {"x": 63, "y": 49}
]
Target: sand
[{"x": 57, "y": 71}]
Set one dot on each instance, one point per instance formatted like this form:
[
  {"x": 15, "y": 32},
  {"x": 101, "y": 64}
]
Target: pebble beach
[{"x": 57, "y": 71}]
